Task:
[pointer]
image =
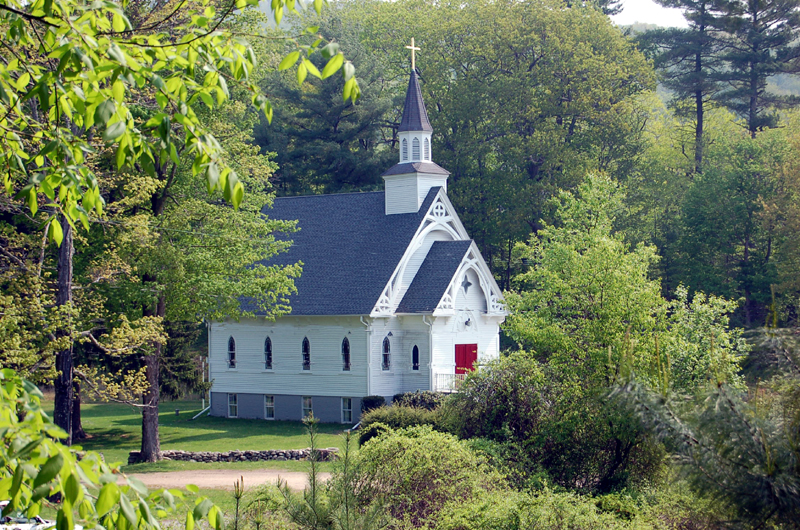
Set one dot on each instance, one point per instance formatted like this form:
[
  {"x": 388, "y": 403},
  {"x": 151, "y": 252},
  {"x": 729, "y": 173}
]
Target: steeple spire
[
  {"x": 415, "y": 116},
  {"x": 409, "y": 181}
]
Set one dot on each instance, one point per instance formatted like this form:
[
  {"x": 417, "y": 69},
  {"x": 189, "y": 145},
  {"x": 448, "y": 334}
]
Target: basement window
[{"x": 233, "y": 405}]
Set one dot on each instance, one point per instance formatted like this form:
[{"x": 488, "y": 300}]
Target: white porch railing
[{"x": 448, "y": 382}]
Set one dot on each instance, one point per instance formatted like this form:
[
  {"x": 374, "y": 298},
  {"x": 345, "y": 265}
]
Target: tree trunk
[
  {"x": 63, "y": 382},
  {"x": 698, "y": 102},
  {"x": 77, "y": 428},
  {"x": 151, "y": 444}
]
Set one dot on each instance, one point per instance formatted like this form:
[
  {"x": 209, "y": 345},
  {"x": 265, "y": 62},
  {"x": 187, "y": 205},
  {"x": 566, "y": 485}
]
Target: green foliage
[
  {"x": 415, "y": 472},
  {"x": 27, "y": 308},
  {"x": 760, "y": 42},
  {"x": 323, "y": 143},
  {"x": 369, "y": 403},
  {"x": 589, "y": 314},
  {"x": 425, "y": 399},
  {"x": 36, "y": 467},
  {"x": 543, "y": 509},
  {"x": 700, "y": 344},
  {"x": 378, "y": 420},
  {"x": 543, "y": 423},
  {"x": 587, "y": 297},
  {"x": 741, "y": 450},
  {"x": 726, "y": 245},
  {"x": 106, "y": 60}
]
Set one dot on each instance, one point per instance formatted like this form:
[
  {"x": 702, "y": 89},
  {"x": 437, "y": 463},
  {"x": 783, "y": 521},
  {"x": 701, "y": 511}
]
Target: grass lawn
[{"x": 115, "y": 430}]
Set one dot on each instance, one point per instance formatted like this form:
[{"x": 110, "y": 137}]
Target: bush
[
  {"x": 512, "y": 510},
  {"x": 414, "y": 472},
  {"x": 369, "y": 403},
  {"x": 421, "y": 399},
  {"x": 397, "y": 417},
  {"x": 542, "y": 418}
]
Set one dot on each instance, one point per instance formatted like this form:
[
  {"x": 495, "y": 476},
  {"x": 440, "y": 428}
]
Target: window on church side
[
  {"x": 347, "y": 410},
  {"x": 306, "y": 354},
  {"x": 415, "y": 358},
  {"x": 231, "y": 353},
  {"x": 415, "y": 149},
  {"x": 233, "y": 405},
  {"x": 405, "y": 149},
  {"x": 346, "y": 355},
  {"x": 386, "y": 363},
  {"x": 427, "y": 151},
  {"x": 268, "y": 354},
  {"x": 269, "y": 407},
  {"x": 308, "y": 408}
]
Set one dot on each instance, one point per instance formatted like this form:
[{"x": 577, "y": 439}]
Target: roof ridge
[{"x": 329, "y": 194}]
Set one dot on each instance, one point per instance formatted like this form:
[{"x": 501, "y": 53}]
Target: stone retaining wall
[{"x": 239, "y": 456}]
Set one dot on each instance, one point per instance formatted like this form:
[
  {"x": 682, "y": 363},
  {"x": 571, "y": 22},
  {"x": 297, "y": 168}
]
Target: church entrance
[{"x": 466, "y": 355}]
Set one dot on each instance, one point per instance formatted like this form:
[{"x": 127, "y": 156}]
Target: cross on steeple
[{"x": 413, "y": 49}]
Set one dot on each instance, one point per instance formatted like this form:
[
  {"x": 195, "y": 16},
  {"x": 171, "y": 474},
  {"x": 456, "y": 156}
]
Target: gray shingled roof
[
  {"x": 349, "y": 248},
  {"x": 415, "y": 116},
  {"x": 434, "y": 276},
  {"x": 416, "y": 167}
]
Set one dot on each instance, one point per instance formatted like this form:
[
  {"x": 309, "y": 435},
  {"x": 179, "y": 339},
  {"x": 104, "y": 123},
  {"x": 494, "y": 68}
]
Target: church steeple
[
  {"x": 415, "y": 129},
  {"x": 408, "y": 182},
  {"x": 415, "y": 116}
]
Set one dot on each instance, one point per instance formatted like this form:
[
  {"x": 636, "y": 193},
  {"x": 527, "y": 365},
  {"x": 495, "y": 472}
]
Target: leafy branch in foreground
[
  {"x": 73, "y": 73},
  {"x": 35, "y": 468}
]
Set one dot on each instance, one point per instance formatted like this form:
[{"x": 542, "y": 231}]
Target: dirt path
[{"x": 223, "y": 478}]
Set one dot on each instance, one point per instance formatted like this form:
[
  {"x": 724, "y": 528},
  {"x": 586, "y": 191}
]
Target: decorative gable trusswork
[
  {"x": 474, "y": 262},
  {"x": 423, "y": 280}
]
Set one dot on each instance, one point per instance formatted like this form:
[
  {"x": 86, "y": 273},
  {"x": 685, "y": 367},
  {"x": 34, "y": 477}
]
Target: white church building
[{"x": 394, "y": 297}]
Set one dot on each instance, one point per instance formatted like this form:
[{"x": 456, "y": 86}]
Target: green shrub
[
  {"x": 424, "y": 399},
  {"x": 545, "y": 419},
  {"x": 415, "y": 472},
  {"x": 396, "y": 417},
  {"x": 544, "y": 509},
  {"x": 369, "y": 403}
]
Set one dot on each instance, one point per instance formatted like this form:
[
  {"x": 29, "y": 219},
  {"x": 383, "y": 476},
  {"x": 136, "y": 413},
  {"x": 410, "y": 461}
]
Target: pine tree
[
  {"x": 689, "y": 59},
  {"x": 762, "y": 42}
]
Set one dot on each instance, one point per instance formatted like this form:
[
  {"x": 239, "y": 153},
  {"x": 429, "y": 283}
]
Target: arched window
[
  {"x": 405, "y": 149},
  {"x": 268, "y": 354},
  {"x": 306, "y": 354},
  {"x": 231, "y": 353},
  {"x": 346, "y": 355},
  {"x": 386, "y": 363},
  {"x": 415, "y": 358},
  {"x": 427, "y": 149},
  {"x": 415, "y": 149}
]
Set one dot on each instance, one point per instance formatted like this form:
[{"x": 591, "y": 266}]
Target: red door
[{"x": 466, "y": 355}]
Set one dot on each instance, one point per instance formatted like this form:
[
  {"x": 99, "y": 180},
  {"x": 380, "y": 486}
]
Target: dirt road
[{"x": 223, "y": 478}]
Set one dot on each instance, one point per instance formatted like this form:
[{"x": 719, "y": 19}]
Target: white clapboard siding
[
  {"x": 407, "y": 331},
  {"x": 406, "y": 193},
  {"x": 449, "y": 331},
  {"x": 425, "y": 182},
  {"x": 401, "y": 194},
  {"x": 326, "y": 377}
]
